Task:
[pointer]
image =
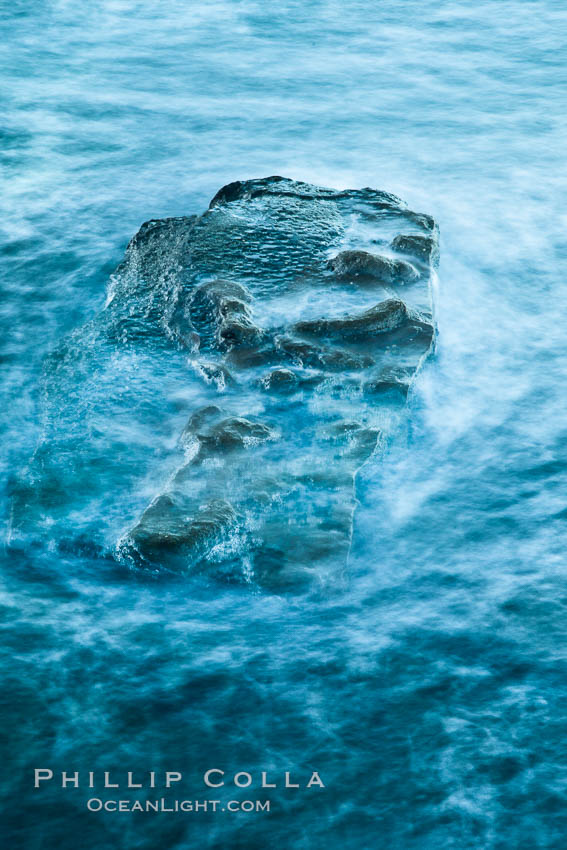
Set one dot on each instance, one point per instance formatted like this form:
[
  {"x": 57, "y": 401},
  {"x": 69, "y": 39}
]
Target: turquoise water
[{"x": 430, "y": 694}]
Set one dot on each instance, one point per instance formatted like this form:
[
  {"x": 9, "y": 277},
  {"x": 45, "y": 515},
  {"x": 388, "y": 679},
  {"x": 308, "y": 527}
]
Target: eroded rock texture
[{"x": 297, "y": 316}]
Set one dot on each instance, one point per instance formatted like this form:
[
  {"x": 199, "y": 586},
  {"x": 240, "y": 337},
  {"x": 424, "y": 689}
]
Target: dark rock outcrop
[
  {"x": 424, "y": 248},
  {"x": 386, "y": 316},
  {"x": 360, "y": 265},
  {"x": 294, "y": 516},
  {"x": 275, "y": 318},
  {"x": 168, "y": 530}
]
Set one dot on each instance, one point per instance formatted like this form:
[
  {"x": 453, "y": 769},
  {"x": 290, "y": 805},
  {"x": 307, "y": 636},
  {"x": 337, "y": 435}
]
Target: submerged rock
[
  {"x": 295, "y": 374},
  {"x": 395, "y": 381},
  {"x": 302, "y": 353},
  {"x": 168, "y": 530},
  {"x": 215, "y": 433},
  {"x": 237, "y": 432},
  {"x": 280, "y": 381},
  {"x": 217, "y": 374}
]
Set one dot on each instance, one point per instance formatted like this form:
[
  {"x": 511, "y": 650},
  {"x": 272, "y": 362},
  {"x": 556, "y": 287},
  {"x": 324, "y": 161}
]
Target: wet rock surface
[
  {"x": 287, "y": 339},
  {"x": 386, "y": 316},
  {"x": 418, "y": 246},
  {"x": 361, "y": 265}
]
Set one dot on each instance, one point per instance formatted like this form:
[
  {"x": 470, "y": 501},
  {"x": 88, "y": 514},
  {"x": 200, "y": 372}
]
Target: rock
[
  {"x": 386, "y": 316},
  {"x": 216, "y": 374},
  {"x": 363, "y": 443},
  {"x": 238, "y": 333},
  {"x": 220, "y": 297},
  {"x": 360, "y": 265},
  {"x": 416, "y": 245},
  {"x": 202, "y": 418},
  {"x": 261, "y": 487},
  {"x": 220, "y": 313},
  {"x": 238, "y": 432},
  {"x": 280, "y": 381},
  {"x": 217, "y": 434},
  {"x": 395, "y": 381},
  {"x": 354, "y": 440},
  {"x": 165, "y": 529},
  {"x": 318, "y": 357}
]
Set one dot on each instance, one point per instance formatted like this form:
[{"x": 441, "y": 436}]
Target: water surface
[{"x": 429, "y": 695}]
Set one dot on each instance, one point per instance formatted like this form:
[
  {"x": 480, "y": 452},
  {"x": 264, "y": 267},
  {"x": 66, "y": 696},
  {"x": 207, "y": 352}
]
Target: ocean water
[{"x": 430, "y": 692}]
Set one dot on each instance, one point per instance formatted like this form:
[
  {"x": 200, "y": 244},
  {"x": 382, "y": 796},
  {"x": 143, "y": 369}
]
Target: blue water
[{"x": 430, "y": 694}]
